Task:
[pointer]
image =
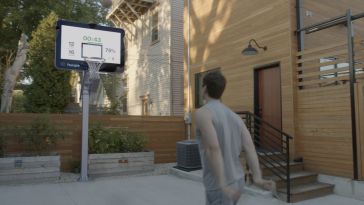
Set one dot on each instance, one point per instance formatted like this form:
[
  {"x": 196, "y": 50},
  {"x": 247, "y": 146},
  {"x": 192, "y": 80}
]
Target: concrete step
[
  {"x": 297, "y": 178},
  {"x": 294, "y": 167},
  {"x": 306, "y": 191}
]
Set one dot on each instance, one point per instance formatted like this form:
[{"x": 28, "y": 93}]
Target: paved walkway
[{"x": 143, "y": 190}]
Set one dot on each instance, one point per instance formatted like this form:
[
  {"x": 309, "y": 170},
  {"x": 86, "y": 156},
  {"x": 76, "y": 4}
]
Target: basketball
[{"x": 106, "y": 3}]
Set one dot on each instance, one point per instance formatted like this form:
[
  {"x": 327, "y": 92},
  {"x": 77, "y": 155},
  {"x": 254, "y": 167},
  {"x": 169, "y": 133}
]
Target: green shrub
[
  {"x": 115, "y": 140},
  {"x": 40, "y": 136}
]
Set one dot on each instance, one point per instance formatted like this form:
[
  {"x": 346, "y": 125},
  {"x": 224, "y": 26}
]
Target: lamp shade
[{"x": 249, "y": 51}]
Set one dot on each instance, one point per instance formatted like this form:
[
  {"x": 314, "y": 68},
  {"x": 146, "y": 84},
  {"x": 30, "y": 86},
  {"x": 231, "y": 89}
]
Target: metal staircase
[{"x": 294, "y": 183}]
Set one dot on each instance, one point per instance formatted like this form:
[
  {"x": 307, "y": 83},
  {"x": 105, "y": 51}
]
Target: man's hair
[{"x": 215, "y": 84}]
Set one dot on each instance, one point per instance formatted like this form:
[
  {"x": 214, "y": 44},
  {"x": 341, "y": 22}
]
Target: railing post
[
  {"x": 249, "y": 119},
  {"x": 350, "y": 36},
  {"x": 288, "y": 171}
]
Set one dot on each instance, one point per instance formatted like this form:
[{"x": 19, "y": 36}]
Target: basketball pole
[{"x": 85, "y": 120}]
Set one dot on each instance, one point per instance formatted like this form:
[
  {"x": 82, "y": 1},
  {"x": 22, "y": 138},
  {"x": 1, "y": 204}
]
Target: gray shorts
[{"x": 216, "y": 197}]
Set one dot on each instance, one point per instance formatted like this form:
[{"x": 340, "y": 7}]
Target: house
[
  {"x": 154, "y": 55},
  {"x": 296, "y": 82}
]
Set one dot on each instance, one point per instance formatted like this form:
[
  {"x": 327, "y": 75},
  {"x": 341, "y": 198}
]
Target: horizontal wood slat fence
[
  {"x": 328, "y": 65},
  {"x": 162, "y": 133}
]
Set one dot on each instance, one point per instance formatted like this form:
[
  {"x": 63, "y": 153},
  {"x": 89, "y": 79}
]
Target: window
[
  {"x": 198, "y": 87},
  {"x": 155, "y": 30}
]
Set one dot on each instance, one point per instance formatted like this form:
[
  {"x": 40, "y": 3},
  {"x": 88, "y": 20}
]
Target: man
[{"x": 222, "y": 135}]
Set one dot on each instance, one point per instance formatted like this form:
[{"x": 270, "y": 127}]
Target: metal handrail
[
  {"x": 256, "y": 129},
  {"x": 270, "y": 132},
  {"x": 274, "y": 165},
  {"x": 265, "y": 122}
]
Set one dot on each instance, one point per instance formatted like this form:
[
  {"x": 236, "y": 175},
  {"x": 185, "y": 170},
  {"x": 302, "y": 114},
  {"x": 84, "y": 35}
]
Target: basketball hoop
[
  {"x": 77, "y": 44},
  {"x": 94, "y": 65}
]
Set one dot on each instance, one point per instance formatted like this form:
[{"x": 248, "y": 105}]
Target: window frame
[{"x": 153, "y": 27}]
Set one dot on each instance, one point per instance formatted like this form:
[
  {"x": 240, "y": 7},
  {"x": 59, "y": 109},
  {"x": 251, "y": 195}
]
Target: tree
[
  {"x": 18, "y": 18},
  {"x": 12, "y": 73},
  {"x": 50, "y": 90}
]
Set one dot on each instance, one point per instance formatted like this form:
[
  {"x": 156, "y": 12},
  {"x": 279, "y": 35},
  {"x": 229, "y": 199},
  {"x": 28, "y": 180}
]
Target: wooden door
[
  {"x": 268, "y": 106},
  {"x": 360, "y": 126}
]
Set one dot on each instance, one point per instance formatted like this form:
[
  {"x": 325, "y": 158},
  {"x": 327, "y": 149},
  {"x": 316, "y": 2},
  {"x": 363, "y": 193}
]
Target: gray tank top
[{"x": 228, "y": 126}]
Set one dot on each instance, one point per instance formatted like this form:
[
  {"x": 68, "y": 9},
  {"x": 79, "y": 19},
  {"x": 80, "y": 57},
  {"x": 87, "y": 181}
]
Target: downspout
[
  {"x": 300, "y": 23},
  {"x": 300, "y": 34},
  {"x": 188, "y": 118}
]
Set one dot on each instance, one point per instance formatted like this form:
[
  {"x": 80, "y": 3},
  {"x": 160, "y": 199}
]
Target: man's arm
[
  {"x": 251, "y": 154},
  {"x": 253, "y": 161},
  {"x": 211, "y": 144}
]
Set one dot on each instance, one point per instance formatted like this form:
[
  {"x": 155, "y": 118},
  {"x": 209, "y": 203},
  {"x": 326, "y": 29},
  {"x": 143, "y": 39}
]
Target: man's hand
[
  {"x": 231, "y": 193},
  {"x": 266, "y": 184}
]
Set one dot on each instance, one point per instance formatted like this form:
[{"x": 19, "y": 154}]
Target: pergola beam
[
  {"x": 135, "y": 13},
  {"x": 114, "y": 9},
  {"x": 128, "y": 13},
  {"x": 126, "y": 16},
  {"x": 138, "y": 4},
  {"x": 122, "y": 23}
]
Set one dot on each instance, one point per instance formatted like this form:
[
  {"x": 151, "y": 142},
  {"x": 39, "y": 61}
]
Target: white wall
[
  {"x": 177, "y": 52},
  {"x": 148, "y": 65}
]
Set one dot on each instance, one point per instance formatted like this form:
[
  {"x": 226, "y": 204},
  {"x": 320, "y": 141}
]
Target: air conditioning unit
[{"x": 188, "y": 155}]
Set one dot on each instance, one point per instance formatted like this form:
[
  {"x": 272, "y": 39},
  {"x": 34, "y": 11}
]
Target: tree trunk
[{"x": 12, "y": 74}]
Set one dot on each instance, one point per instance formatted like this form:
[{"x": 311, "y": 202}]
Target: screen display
[{"x": 80, "y": 43}]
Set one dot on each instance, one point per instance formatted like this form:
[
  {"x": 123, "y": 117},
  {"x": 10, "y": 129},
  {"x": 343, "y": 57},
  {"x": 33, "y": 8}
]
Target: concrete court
[{"x": 142, "y": 190}]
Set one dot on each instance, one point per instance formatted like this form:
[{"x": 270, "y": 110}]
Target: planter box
[
  {"x": 120, "y": 163},
  {"x": 29, "y": 169}
]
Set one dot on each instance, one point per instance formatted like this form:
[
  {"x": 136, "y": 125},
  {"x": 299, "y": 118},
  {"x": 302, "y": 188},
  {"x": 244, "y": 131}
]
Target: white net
[{"x": 94, "y": 65}]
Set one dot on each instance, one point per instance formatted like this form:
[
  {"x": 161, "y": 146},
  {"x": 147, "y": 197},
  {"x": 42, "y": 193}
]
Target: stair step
[
  {"x": 307, "y": 191},
  {"x": 294, "y": 167},
  {"x": 279, "y": 156},
  {"x": 297, "y": 178}
]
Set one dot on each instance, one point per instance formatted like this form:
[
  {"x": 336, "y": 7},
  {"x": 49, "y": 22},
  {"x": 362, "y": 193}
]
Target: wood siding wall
[
  {"x": 162, "y": 133},
  {"x": 220, "y": 30},
  {"x": 321, "y": 10}
]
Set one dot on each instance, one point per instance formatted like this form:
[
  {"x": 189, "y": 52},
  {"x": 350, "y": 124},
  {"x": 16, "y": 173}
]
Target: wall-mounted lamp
[{"x": 250, "y": 50}]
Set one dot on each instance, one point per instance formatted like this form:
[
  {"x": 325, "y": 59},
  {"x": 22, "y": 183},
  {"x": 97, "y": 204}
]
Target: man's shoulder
[
  {"x": 235, "y": 117},
  {"x": 231, "y": 112},
  {"x": 202, "y": 112}
]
